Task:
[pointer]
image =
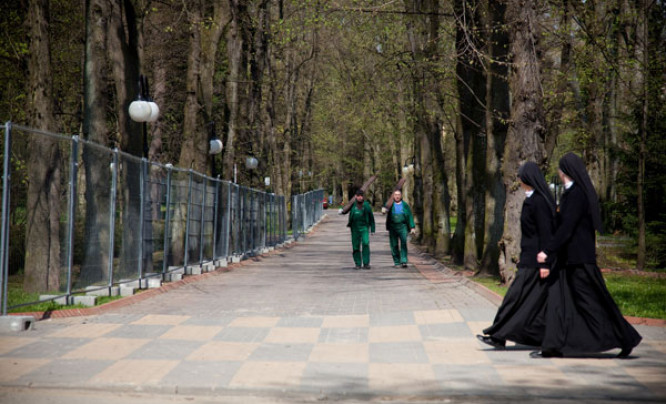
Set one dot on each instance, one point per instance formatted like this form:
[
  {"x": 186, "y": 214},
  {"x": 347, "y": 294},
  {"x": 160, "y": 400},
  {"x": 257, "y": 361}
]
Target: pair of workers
[{"x": 399, "y": 222}]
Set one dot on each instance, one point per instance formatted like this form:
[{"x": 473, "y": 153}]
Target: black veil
[
  {"x": 574, "y": 167},
  {"x": 530, "y": 174}
]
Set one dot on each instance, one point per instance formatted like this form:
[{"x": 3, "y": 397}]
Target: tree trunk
[
  {"x": 527, "y": 125},
  {"x": 235, "y": 56},
  {"x": 642, "y": 151},
  {"x": 97, "y": 175},
  {"x": 42, "y": 241},
  {"x": 497, "y": 114}
]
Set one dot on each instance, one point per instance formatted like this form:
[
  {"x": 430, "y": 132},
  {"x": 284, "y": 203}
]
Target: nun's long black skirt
[
  {"x": 521, "y": 316},
  {"x": 581, "y": 315}
]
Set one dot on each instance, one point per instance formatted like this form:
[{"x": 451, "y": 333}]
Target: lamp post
[
  {"x": 143, "y": 110},
  {"x": 215, "y": 147}
]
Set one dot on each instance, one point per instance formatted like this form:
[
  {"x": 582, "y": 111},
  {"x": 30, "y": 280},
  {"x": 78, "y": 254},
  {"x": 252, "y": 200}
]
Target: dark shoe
[
  {"x": 545, "y": 354},
  {"x": 625, "y": 352},
  {"x": 357, "y": 267},
  {"x": 404, "y": 265},
  {"x": 493, "y": 342},
  {"x": 366, "y": 266}
]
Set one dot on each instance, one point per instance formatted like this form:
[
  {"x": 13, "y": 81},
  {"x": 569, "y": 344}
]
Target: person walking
[
  {"x": 520, "y": 317},
  {"x": 361, "y": 221},
  {"x": 399, "y": 222},
  {"x": 581, "y": 316}
]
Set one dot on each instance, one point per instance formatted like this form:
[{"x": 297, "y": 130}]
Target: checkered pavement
[{"x": 380, "y": 333}]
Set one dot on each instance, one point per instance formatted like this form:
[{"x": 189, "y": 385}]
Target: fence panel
[{"x": 108, "y": 217}]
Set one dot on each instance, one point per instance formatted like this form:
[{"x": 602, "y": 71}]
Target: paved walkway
[{"x": 303, "y": 325}]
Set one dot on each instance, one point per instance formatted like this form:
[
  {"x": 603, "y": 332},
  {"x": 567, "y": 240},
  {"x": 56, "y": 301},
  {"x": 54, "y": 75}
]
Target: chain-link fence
[
  {"x": 306, "y": 210},
  {"x": 79, "y": 217}
]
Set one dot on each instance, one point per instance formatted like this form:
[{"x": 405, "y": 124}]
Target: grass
[
  {"x": 16, "y": 295},
  {"x": 636, "y": 295}
]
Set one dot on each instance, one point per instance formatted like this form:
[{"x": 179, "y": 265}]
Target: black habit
[
  {"x": 581, "y": 315},
  {"x": 520, "y": 317}
]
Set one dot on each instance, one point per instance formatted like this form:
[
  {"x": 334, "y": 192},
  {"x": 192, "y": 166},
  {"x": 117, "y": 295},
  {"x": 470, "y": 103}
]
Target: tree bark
[
  {"x": 42, "y": 241},
  {"x": 97, "y": 176},
  {"x": 526, "y": 131},
  {"x": 497, "y": 114}
]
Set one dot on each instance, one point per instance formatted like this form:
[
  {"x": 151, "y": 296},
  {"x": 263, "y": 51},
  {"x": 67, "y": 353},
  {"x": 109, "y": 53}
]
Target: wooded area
[{"x": 328, "y": 93}]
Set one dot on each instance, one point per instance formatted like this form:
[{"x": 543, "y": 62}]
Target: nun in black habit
[
  {"x": 520, "y": 317},
  {"x": 581, "y": 315}
]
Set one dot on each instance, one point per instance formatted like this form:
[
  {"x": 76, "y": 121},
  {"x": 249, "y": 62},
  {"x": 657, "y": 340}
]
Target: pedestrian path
[{"x": 303, "y": 325}]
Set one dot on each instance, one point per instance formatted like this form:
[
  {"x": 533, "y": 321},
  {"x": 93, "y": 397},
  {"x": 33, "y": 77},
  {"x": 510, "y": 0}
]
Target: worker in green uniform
[
  {"x": 361, "y": 220},
  {"x": 399, "y": 222}
]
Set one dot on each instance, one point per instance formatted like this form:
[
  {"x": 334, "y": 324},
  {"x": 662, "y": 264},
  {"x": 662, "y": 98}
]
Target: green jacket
[
  {"x": 363, "y": 217},
  {"x": 407, "y": 220}
]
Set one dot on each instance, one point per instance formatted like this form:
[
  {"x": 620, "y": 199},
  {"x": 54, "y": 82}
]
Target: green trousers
[
  {"x": 398, "y": 241},
  {"x": 361, "y": 239}
]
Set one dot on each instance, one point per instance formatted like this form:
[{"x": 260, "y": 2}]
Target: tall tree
[
  {"x": 42, "y": 241},
  {"x": 526, "y": 133}
]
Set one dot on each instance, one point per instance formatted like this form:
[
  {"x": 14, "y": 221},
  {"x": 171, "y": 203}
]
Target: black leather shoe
[
  {"x": 493, "y": 342},
  {"x": 404, "y": 265},
  {"x": 366, "y": 266},
  {"x": 357, "y": 267},
  {"x": 625, "y": 352},
  {"x": 545, "y": 354}
]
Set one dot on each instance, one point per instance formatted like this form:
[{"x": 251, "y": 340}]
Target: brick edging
[{"x": 496, "y": 298}]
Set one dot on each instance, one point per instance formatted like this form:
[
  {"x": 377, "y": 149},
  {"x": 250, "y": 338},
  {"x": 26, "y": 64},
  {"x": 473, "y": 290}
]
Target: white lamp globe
[
  {"x": 215, "y": 146},
  {"x": 139, "y": 111},
  {"x": 251, "y": 163},
  {"x": 154, "y": 111}
]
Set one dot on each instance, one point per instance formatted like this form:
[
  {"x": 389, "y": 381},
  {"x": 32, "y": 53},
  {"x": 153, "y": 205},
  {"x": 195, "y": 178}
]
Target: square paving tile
[
  {"x": 8, "y": 344},
  {"x": 282, "y": 352},
  {"x": 337, "y": 378},
  {"x": 537, "y": 377},
  {"x": 49, "y": 348},
  {"x": 254, "y": 322},
  {"x": 166, "y": 349},
  {"x": 438, "y": 316},
  {"x": 138, "y": 331},
  {"x": 13, "y": 368},
  {"x": 398, "y": 353},
  {"x": 135, "y": 372},
  {"x": 339, "y": 335},
  {"x": 402, "y": 378},
  {"x": 87, "y": 330},
  {"x": 63, "y": 371},
  {"x": 223, "y": 351},
  {"x": 391, "y": 319},
  {"x": 191, "y": 332},
  {"x": 242, "y": 334},
  {"x": 269, "y": 375},
  {"x": 399, "y": 333},
  {"x": 346, "y": 321},
  {"x": 107, "y": 348},
  {"x": 292, "y": 335},
  {"x": 349, "y": 353},
  {"x": 161, "y": 319},
  {"x": 215, "y": 374},
  {"x": 455, "y": 352},
  {"x": 435, "y": 332},
  {"x": 654, "y": 378},
  {"x": 300, "y": 322}
]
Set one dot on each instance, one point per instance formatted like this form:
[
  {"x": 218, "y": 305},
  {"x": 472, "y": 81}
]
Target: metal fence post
[
  {"x": 4, "y": 237},
  {"x": 201, "y": 226},
  {"x": 216, "y": 212},
  {"x": 73, "y": 175},
  {"x": 187, "y": 222},
  {"x": 142, "y": 197},
  {"x": 112, "y": 212},
  {"x": 227, "y": 222},
  {"x": 167, "y": 221}
]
